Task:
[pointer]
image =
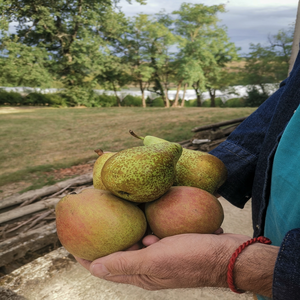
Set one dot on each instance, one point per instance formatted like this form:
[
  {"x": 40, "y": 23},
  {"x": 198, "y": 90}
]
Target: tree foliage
[{"x": 85, "y": 44}]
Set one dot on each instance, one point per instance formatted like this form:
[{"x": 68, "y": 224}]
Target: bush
[
  {"x": 55, "y": 100},
  {"x": 105, "y": 100},
  {"x": 255, "y": 97},
  {"x": 36, "y": 99},
  {"x": 190, "y": 103},
  {"x": 10, "y": 98},
  {"x": 157, "y": 102},
  {"x": 218, "y": 102},
  {"x": 130, "y": 100}
]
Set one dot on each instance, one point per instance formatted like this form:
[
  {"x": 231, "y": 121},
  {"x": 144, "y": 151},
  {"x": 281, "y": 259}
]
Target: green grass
[{"x": 35, "y": 141}]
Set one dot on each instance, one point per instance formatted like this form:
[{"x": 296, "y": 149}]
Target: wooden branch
[
  {"x": 29, "y": 209},
  {"x": 45, "y": 191},
  {"x": 215, "y": 125},
  {"x": 33, "y": 240}
]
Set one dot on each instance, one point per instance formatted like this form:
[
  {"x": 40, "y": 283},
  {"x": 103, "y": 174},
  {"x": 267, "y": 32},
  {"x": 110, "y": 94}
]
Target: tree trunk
[
  {"x": 118, "y": 99},
  {"x": 196, "y": 86},
  {"x": 183, "y": 96},
  {"x": 167, "y": 102},
  {"x": 143, "y": 94},
  {"x": 175, "y": 104},
  {"x": 212, "y": 93}
]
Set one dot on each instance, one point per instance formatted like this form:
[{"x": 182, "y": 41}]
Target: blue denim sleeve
[
  {"x": 286, "y": 280},
  {"x": 240, "y": 151}
]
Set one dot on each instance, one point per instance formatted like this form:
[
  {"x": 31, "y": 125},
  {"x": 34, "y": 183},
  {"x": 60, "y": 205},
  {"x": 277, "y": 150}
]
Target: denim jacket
[{"x": 248, "y": 155}]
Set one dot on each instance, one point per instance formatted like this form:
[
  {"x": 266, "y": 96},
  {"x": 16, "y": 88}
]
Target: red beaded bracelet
[{"x": 234, "y": 256}]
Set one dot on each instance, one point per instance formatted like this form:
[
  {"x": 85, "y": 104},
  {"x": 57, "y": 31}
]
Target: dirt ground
[{"x": 60, "y": 174}]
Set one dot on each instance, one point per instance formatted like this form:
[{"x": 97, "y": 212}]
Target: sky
[{"x": 247, "y": 21}]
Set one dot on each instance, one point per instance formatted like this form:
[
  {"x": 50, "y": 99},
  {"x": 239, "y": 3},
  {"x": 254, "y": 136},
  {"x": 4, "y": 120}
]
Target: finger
[
  {"x": 219, "y": 231},
  {"x": 85, "y": 263},
  {"x": 149, "y": 240},
  {"x": 134, "y": 247},
  {"x": 118, "y": 263}
]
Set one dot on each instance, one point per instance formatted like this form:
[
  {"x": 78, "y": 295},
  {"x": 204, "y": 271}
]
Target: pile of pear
[{"x": 158, "y": 186}]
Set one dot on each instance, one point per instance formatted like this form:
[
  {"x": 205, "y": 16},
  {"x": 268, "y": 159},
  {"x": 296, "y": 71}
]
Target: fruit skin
[
  {"x": 201, "y": 170},
  {"x": 142, "y": 174},
  {"x": 184, "y": 210},
  {"x": 195, "y": 168},
  {"x": 95, "y": 223},
  {"x": 103, "y": 157}
]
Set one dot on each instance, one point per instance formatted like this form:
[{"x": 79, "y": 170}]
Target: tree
[
  {"x": 269, "y": 64},
  {"x": 157, "y": 38},
  {"x": 75, "y": 34},
  {"x": 144, "y": 46},
  {"x": 205, "y": 42},
  {"x": 22, "y": 65},
  {"x": 130, "y": 46}
]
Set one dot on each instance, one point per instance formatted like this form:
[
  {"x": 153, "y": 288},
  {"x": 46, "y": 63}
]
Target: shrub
[
  {"x": 130, "y": 100},
  {"x": 105, "y": 100},
  {"x": 10, "y": 98},
  {"x": 235, "y": 102},
  {"x": 157, "y": 102},
  {"x": 218, "y": 102},
  {"x": 190, "y": 103},
  {"x": 36, "y": 99},
  {"x": 255, "y": 97}
]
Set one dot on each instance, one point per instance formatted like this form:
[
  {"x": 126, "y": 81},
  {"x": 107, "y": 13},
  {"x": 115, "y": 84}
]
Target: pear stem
[
  {"x": 99, "y": 151},
  {"x": 136, "y": 136}
]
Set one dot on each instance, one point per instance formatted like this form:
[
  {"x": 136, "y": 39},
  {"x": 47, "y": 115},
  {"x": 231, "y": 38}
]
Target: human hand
[{"x": 180, "y": 261}]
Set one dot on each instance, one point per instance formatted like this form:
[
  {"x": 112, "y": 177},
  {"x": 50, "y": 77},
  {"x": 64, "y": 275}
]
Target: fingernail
[{"x": 99, "y": 270}]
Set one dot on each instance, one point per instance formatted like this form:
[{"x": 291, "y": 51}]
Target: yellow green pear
[
  {"x": 194, "y": 168},
  {"x": 103, "y": 157},
  {"x": 95, "y": 223},
  {"x": 142, "y": 174}
]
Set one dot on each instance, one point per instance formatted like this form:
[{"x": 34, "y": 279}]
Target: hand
[{"x": 180, "y": 261}]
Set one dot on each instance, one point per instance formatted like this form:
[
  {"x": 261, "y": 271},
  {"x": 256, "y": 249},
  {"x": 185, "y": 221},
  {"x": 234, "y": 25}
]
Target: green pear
[
  {"x": 95, "y": 223},
  {"x": 142, "y": 174},
  {"x": 103, "y": 157},
  {"x": 195, "y": 168},
  {"x": 184, "y": 209}
]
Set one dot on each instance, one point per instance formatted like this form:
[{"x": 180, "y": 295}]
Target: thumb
[{"x": 118, "y": 263}]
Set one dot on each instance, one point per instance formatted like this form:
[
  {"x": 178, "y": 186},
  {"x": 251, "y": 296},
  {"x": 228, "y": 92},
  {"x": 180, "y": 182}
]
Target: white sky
[{"x": 247, "y": 21}]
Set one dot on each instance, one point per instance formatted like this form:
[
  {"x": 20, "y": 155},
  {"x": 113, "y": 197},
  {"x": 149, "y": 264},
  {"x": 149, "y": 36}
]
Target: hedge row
[{"x": 253, "y": 99}]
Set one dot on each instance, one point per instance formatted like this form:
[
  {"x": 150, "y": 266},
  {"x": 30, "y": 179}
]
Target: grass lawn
[{"x": 36, "y": 140}]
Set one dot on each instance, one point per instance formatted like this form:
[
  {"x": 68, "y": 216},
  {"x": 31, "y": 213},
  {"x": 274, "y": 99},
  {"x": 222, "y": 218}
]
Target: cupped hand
[{"x": 180, "y": 261}]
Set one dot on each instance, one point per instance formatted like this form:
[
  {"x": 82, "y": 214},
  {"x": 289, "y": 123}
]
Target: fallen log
[
  {"x": 29, "y": 209},
  {"x": 216, "y": 125},
  {"x": 45, "y": 191},
  {"x": 33, "y": 240}
]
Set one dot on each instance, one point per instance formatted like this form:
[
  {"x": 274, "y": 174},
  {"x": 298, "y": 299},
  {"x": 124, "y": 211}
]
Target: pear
[
  {"x": 95, "y": 223},
  {"x": 103, "y": 157},
  {"x": 142, "y": 174},
  {"x": 184, "y": 209},
  {"x": 195, "y": 168}
]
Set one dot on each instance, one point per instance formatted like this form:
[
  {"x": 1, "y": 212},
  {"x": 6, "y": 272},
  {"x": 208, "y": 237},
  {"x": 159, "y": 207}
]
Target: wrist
[{"x": 254, "y": 269}]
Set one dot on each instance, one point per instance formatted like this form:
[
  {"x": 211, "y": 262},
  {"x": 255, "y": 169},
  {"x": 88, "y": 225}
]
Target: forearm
[{"x": 254, "y": 269}]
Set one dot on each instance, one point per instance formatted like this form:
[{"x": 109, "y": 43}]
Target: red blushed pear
[
  {"x": 95, "y": 223},
  {"x": 184, "y": 210}
]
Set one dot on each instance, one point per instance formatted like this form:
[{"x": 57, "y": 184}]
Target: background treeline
[
  {"x": 104, "y": 100},
  {"x": 79, "y": 46}
]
